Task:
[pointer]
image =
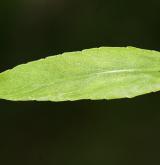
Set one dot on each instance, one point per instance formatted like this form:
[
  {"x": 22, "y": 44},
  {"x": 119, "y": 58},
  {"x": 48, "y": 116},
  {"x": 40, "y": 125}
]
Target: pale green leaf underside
[{"x": 98, "y": 73}]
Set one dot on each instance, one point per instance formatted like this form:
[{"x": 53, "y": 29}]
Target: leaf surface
[{"x": 97, "y": 73}]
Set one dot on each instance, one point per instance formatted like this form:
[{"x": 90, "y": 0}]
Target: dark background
[{"x": 114, "y": 132}]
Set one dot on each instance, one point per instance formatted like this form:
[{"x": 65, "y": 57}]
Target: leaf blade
[{"x": 97, "y": 73}]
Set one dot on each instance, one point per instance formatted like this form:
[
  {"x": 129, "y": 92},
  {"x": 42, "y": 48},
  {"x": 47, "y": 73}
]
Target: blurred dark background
[{"x": 114, "y": 132}]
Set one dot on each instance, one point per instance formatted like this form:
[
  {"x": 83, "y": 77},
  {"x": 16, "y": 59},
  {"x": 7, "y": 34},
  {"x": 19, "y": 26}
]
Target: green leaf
[{"x": 98, "y": 73}]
